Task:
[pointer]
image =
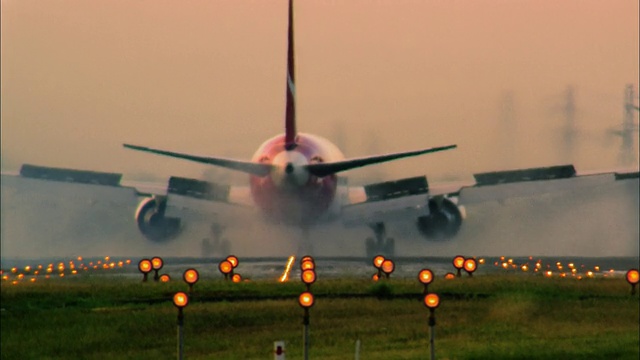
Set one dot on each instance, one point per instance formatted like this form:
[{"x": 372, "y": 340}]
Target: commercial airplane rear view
[{"x": 293, "y": 180}]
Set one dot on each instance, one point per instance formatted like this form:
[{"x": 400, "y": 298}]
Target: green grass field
[{"x": 502, "y": 316}]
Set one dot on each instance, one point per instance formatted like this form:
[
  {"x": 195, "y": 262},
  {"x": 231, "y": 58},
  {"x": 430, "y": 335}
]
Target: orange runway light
[
  {"x": 74, "y": 271},
  {"x": 157, "y": 263},
  {"x": 590, "y": 274},
  {"x": 387, "y": 267},
  {"x": 225, "y": 268},
  {"x": 449, "y": 276},
  {"x": 633, "y": 277},
  {"x": 165, "y": 278},
  {"x": 128, "y": 262},
  {"x": 5, "y": 277},
  {"x": 308, "y": 277},
  {"x": 375, "y": 277},
  {"x": 20, "y": 276},
  {"x": 307, "y": 265},
  {"x": 425, "y": 276},
  {"x": 27, "y": 268},
  {"x": 458, "y": 263},
  {"x": 233, "y": 260},
  {"x": 79, "y": 258},
  {"x": 548, "y": 273},
  {"x": 180, "y": 299},
  {"x": 307, "y": 257},
  {"x": 120, "y": 263},
  {"x": 61, "y": 274},
  {"x": 306, "y": 300},
  {"x": 481, "y": 261},
  {"x": 32, "y": 279},
  {"x": 524, "y": 267},
  {"x": 191, "y": 276},
  {"x": 432, "y": 301},
  {"x": 377, "y": 261},
  {"x": 470, "y": 265},
  {"x": 236, "y": 278},
  {"x": 145, "y": 266},
  {"x": 106, "y": 258}
]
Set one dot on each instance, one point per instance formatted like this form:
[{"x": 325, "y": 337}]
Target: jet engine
[
  {"x": 443, "y": 222},
  {"x": 152, "y": 222}
]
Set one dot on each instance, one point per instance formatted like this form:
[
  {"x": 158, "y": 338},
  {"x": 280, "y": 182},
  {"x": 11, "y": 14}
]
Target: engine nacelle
[
  {"x": 152, "y": 222},
  {"x": 443, "y": 222}
]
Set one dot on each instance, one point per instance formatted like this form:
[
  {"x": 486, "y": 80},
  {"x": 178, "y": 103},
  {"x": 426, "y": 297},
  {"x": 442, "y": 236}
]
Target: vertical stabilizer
[{"x": 290, "y": 121}]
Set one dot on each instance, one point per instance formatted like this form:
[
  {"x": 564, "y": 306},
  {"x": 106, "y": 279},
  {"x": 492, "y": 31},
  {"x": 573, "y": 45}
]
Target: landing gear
[
  {"x": 215, "y": 245},
  {"x": 381, "y": 245}
]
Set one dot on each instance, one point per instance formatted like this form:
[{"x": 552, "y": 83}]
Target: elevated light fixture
[
  {"x": 180, "y": 300},
  {"x": 432, "y": 301},
  {"x": 225, "y": 268},
  {"x": 425, "y": 276},
  {"x": 145, "y": 268},
  {"x": 470, "y": 265},
  {"x": 458, "y": 263},
  {"x": 156, "y": 264},
  {"x": 191, "y": 276},
  {"x": 387, "y": 267},
  {"x": 633, "y": 277}
]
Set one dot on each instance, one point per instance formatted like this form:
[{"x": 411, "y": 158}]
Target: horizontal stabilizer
[
  {"x": 69, "y": 175},
  {"x": 324, "y": 169},
  {"x": 244, "y": 166},
  {"x": 534, "y": 174}
]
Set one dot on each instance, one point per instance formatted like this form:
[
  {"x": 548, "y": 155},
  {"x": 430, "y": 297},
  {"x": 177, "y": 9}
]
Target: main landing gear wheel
[{"x": 381, "y": 245}]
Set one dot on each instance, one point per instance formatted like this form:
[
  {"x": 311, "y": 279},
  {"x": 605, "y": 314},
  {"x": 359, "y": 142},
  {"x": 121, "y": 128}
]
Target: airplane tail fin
[{"x": 290, "y": 120}]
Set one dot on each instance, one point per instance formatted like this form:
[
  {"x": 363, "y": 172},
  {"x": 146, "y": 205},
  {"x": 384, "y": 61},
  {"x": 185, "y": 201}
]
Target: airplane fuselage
[{"x": 290, "y": 194}]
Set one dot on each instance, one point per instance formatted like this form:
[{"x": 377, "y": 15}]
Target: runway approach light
[
  {"x": 387, "y": 267},
  {"x": 470, "y": 265},
  {"x": 236, "y": 278},
  {"x": 432, "y": 301},
  {"x": 157, "y": 264},
  {"x": 377, "y": 261},
  {"x": 233, "y": 260},
  {"x": 307, "y": 263},
  {"x": 458, "y": 263},
  {"x": 191, "y": 277},
  {"x": 225, "y": 268},
  {"x": 425, "y": 276},
  {"x": 165, "y": 278},
  {"x": 180, "y": 300},
  {"x": 306, "y": 300},
  {"x": 632, "y": 278},
  {"x": 145, "y": 268},
  {"x": 449, "y": 276},
  {"x": 308, "y": 277}
]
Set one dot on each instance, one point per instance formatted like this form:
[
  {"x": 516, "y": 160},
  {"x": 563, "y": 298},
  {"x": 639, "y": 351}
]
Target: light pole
[
  {"x": 180, "y": 300},
  {"x": 145, "y": 267},
  {"x": 156, "y": 264},
  {"x": 432, "y": 301},
  {"x": 191, "y": 277},
  {"x": 306, "y": 300}
]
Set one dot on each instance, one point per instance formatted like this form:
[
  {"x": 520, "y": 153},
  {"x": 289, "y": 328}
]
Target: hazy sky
[{"x": 80, "y": 77}]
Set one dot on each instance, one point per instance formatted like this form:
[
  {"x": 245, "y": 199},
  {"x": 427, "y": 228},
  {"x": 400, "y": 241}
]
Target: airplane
[{"x": 294, "y": 180}]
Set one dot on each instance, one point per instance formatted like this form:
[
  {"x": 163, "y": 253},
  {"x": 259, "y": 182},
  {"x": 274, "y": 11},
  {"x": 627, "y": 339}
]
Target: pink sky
[{"x": 79, "y": 78}]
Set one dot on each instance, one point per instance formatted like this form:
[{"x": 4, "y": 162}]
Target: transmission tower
[{"x": 628, "y": 153}]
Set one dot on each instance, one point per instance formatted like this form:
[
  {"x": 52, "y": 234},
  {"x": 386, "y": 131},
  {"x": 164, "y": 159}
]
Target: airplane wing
[
  {"x": 160, "y": 209},
  {"x": 414, "y": 198}
]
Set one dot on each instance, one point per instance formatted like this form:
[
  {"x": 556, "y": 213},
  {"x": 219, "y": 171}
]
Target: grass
[{"x": 492, "y": 316}]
